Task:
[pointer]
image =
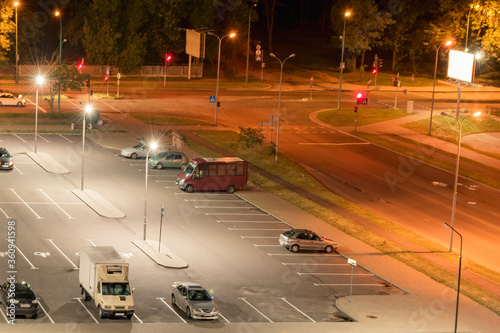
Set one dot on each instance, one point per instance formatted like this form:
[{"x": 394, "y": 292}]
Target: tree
[
  {"x": 250, "y": 136},
  {"x": 364, "y": 28},
  {"x": 6, "y": 26},
  {"x": 69, "y": 78},
  {"x": 270, "y": 9}
]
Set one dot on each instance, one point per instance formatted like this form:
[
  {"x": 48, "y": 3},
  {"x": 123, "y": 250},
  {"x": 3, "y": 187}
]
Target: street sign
[
  {"x": 352, "y": 262},
  {"x": 312, "y": 79},
  {"x": 342, "y": 65},
  {"x": 119, "y": 76},
  {"x": 211, "y": 99},
  {"x": 107, "y": 71},
  {"x": 258, "y": 54}
]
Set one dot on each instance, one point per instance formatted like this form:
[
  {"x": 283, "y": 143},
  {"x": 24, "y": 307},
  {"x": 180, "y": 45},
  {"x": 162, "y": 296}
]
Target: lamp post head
[
  {"x": 232, "y": 35},
  {"x": 88, "y": 108},
  {"x": 40, "y": 79},
  {"x": 153, "y": 145},
  {"x": 16, "y": 4},
  {"x": 255, "y": 5},
  {"x": 57, "y": 13},
  {"x": 272, "y": 55},
  {"x": 347, "y": 14},
  {"x": 477, "y": 114},
  {"x": 291, "y": 55},
  {"x": 448, "y": 43}
]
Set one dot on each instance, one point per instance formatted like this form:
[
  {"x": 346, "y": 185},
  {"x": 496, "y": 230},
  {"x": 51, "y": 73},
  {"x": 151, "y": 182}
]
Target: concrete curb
[
  {"x": 99, "y": 204},
  {"x": 165, "y": 257},
  {"x": 48, "y": 163}
]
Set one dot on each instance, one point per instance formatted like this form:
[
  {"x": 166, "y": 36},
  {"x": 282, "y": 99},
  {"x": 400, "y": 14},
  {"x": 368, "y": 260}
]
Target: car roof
[
  {"x": 191, "y": 285},
  {"x": 302, "y": 230}
]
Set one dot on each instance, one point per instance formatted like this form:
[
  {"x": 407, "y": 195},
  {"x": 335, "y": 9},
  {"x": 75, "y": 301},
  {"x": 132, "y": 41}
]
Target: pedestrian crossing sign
[{"x": 211, "y": 99}]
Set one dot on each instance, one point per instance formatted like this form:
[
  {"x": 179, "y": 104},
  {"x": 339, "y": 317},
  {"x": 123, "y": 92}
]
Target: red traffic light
[
  {"x": 80, "y": 66},
  {"x": 359, "y": 95},
  {"x": 169, "y": 57},
  {"x": 106, "y": 79},
  {"x": 374, "y": 71}
]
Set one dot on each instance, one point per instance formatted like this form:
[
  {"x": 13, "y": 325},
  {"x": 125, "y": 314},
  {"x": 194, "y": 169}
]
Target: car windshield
[
  {"x": 25, "y": 294},
  {"x": 289, "y": 233},
  {"x": 139, "y": 146},
  {"x": 199, "y": 295},
  {"x": 115, "y": 289},
  {"x": 189, "y": 169}
]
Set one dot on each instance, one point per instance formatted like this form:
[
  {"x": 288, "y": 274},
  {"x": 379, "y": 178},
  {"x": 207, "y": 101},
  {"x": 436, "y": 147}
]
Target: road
[{"x": 231, "y": 245}]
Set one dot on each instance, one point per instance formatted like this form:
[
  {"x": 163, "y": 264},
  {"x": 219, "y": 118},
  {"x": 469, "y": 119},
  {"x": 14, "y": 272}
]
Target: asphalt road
[{"x": 231, "y": 245}]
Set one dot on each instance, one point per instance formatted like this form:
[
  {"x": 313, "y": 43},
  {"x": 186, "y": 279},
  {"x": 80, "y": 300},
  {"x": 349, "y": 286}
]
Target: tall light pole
[
  {"x": 279, "y": 102},
  {"x": 248, "y": 41},
  {"x": 342, "y": 60},
  {"x": 60, "y": 55},
  {"x": 218, "y": 70},
  {"x": 151, "y": 146},
  {"x": 39, "y": 81},
  {"x": 468, "y": 21},
  {"x": 434, "y": 82},
  {"x": 88, "y": 110},
  {"x": 460, "y": 123},
  {"x": 17, "y": 53},
  {"x": 459, "y": 274}
]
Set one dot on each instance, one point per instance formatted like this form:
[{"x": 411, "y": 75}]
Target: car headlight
[
  {"x": 35, "y": 301},
  {"x": 107, "y": 307},
  {"x": 11, "y": 163},
  {"x": 130, "y": 307}
]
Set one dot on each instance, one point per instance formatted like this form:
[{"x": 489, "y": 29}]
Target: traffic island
[
  {"x": 98, "y": 204},
  {"x": 47, "y": 162},
  {"x": 164, "y": 257}
]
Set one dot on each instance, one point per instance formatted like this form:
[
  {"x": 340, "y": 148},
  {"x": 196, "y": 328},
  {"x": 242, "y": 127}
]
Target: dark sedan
[
  {"x": 6, "y": 161},
  {"x": 19, "y": 299}
]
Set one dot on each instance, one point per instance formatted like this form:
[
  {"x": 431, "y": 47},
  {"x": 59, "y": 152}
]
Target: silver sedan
[
  {"x": 194, "y": 300},
  {"x": 303, "y": 239}
]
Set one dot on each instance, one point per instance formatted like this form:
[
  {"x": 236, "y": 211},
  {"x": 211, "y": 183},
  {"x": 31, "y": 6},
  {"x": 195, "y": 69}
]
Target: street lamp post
[
  {"x": 248, "y": 41},
  {"x": 39, "y": 81},
  {"x": 459, "y": 274},
  {"x": 60, "y": 55},
  {"x": 17, "y": 53},
  {"x": 460, "y": 123},
  {"x": 218, "y": 70},
  {"x": 434, "y": 82},
  {"x": 152, "y": 146},
  {"x": 279, "y": 102},
  {"x": 342, "y": 60},
  {"x": 88, "y": 110}
]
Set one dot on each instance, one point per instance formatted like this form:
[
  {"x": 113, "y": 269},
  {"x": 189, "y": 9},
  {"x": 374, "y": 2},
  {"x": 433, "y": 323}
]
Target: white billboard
[
  {"x": 461, "y": 66},
  {"x": 193, "y": 39}
]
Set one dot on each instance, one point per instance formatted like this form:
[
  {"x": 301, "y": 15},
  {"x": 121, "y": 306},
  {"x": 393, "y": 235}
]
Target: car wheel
[
  {"x": 328, "y": 249},
  {"x": 231, "y": 189},
  {"x": 85, "y": 295},
  {"x": 183, "y": 166},
  {"x": 159, "y": 166},
  {"x": 101, "y": 314},
  {"x": 133, "y": 156},
  {"x": 172, "y": 300},
  {"x": 35, "y": 316},
  {"x": 19, "y": 103},
  {"x": 190, "y": 188},
  {"x": 188, "y": 312},
  {"x": 294, "y": 248}
]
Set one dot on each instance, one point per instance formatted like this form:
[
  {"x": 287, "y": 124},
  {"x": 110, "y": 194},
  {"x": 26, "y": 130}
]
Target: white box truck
[{"x": 104, "y": 279}]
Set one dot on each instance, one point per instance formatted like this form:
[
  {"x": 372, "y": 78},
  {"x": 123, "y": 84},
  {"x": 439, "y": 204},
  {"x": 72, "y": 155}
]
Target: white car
[
  {"x": 7, "y": 98},
  {"x": 193, "y": 299}
]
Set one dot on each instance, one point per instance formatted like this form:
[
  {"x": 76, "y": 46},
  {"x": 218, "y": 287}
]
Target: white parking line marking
[
  {"x": 293, "y": 306},
  {"x": 308, "y": 264},
  {"x": 43, "y": 309},
  {"x": 260, "y": 237},
  {"x": 347, "y": 274},
  {"x": 4, "y": 213},
  {"x": 222, "y": 207},
  {"x": 69, "y": 216},
  {"x": 19, "y": 170},
  {"x": 5, "y": 317},
  {"x": 58, "y": 249},
  {"x": 334, "y": 143},
  {"x": 37, "y": 216},
  {"x": 41, "y": 137},
  {"x": 227, "y": 321},
  {"x": 110, "y": 106},
  {"x": 348, "y": 284},
  {"x": 80, "y": 301},
  {"x": 163, "y": 300},
  {"x": 91, "y": 242},
  {"x": 138, "y": 318},
  {"x": 220, "y": 200},
  {"x": 304, "y": 254},
  {"x": 29, "y": 262},
  {"x": 266, "y": 245},
  {"x": 17, "y": 136},
  {"x": 263, "y": 315},
  {"x": 62, "y": 136}
]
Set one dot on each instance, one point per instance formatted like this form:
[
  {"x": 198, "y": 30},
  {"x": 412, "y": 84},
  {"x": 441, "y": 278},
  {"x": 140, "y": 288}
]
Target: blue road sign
[{"x": 211, "y": 99}]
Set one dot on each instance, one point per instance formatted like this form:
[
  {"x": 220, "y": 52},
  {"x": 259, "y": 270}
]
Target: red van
[{"x": 214, "y": 174}]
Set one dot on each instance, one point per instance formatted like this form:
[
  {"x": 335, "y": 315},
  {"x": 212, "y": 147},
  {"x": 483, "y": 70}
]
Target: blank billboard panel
[
  {"x": 193, "y": 43},
  {"x": 461, "y": 66}
]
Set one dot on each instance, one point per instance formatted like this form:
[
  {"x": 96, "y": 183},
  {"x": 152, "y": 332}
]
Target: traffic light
[
  {"x": 395, "y": 81},
  {"x": 169, "y": 58},
  {"x": 106, "y": 78},
  {"x": 80, "y": 66},
  {"x": 355, "y": 109},
  {"x": 374, "y": 70},
  {"x": 218, "y": 104},
  {"x": 380, "y": 62},
  {"x": 360, "y": 96},
  {"x": 87, "y": 83}
]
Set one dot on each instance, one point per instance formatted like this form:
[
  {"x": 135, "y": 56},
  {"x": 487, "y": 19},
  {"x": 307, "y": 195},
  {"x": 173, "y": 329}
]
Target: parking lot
[{"x": 230, "y": 244}]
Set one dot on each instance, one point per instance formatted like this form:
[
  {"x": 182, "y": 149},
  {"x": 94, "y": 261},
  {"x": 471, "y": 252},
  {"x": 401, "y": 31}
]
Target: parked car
[
  {"x": 194, "y": 300},
  {"x": 6, "y": 160},
  {"x": 7, "y": 98},
  {"x": 303, "y": 239},
  {"x": 22, "y": 296},
  {"x": 168, "y": 159},
  {"x": 140, "y": 150}
]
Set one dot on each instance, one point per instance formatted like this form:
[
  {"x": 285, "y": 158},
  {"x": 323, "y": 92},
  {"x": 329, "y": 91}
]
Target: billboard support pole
[
  {"x": 458, "y": 101},
  {"x": 189, "y": 68}
]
